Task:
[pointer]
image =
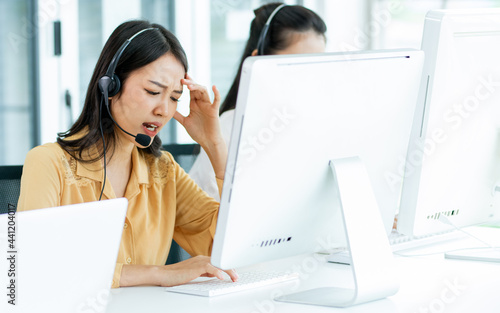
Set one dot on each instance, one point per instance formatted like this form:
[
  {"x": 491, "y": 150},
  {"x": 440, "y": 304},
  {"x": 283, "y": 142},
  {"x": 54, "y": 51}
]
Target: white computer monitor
[
  {"x": 453, "y": 163},
  {"x": 293, "y": 115}
]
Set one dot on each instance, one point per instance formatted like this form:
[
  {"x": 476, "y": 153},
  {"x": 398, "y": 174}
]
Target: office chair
[
  {"x": 10, "y": 185},
  {"x": 185, "y": 155}
]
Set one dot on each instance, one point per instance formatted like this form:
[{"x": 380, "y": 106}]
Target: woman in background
[{"x": 291, "y": 29}]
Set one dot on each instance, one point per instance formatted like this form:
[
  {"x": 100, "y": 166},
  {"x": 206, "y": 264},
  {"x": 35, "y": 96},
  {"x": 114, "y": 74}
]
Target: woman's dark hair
[
  {"x": 142, "y": 50},
  {"x": 289, "y": 19}
]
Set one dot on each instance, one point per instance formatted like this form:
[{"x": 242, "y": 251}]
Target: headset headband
[
  {"x": 263, "y": 33},
  {"x": 114, "y": 62}
]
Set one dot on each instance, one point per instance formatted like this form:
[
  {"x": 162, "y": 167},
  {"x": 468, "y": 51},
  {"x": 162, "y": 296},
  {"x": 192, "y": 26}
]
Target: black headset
[
  {"x": 263, "y": 33},
  {"x": 110, "y": 85}
]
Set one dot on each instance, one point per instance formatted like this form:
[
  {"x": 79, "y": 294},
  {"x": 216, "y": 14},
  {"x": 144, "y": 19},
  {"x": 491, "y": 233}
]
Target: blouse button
[
  {"x": 125, "y": 226},
  {"x": 129, "y": 260}
]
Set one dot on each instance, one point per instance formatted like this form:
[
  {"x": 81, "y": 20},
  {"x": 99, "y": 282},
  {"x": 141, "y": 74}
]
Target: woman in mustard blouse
[{"x": 164, "y": 203}]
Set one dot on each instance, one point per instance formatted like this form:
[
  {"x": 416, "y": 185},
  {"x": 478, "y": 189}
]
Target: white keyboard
[
  {"x": 246, "y": 281},
  {"x": 401, "y": 242}
]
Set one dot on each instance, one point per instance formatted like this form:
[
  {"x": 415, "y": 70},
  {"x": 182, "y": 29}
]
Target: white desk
[{"x": 428, "y": 284}]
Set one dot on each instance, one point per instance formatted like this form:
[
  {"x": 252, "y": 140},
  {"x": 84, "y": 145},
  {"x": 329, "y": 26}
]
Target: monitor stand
[
  {"x": 486, "y": 254},
  {"x": 371, "y": 257}
]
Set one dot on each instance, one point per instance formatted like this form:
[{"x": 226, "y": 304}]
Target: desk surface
[{"x": 428, "y": 284}]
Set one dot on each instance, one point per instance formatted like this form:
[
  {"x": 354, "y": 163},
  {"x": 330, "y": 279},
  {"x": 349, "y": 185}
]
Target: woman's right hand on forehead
[{"x": 202, "y": 123}]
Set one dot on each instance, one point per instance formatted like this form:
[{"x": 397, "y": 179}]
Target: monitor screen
[
  {"x": 294, "y": 114},
  {"x": 453, "y": 164}
]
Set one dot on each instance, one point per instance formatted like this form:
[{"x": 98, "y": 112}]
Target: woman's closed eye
[{"x": 153, "y": 93}]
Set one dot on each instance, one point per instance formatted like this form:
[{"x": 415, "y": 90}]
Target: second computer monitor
[
  {"x": 293, "y": 115},
  {"x": 453, "y": 165}
]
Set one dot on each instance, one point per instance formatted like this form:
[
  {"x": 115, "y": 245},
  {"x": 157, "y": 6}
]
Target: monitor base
[
  {"x": 480, "y": 254},
  {"x": 371, "y": 256}
]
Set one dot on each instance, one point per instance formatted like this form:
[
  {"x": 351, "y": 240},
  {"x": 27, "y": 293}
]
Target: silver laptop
[{"x": 60, "y": 259}]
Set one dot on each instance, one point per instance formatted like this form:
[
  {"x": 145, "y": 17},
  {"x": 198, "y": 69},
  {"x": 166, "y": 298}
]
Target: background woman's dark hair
[
  {"x": 289, "y": 19},
  {"x": 142, "y": 50}
]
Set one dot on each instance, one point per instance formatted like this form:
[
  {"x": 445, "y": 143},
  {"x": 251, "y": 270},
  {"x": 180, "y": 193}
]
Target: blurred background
[{"x": 48, "y": 49}]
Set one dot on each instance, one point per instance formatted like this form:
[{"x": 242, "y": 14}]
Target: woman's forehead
[{"x": 166, "y": 68}]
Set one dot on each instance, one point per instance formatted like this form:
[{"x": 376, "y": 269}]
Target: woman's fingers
[
  {"x": 179, "y": 117},
  {"x": 212, "y": 271},
  {"x": 215, "y": 272},
  {"x": 232, "y": 274},
  {"x": 200, "y": 92},
  {"x": 219, "y": 274},
  {"x": 216, "y": 96},
  {"x": 196, "y": 91},
  {"x": 187, "y": 270}
]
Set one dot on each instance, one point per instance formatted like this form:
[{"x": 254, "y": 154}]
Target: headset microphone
[{"x": 143, "y": 140}]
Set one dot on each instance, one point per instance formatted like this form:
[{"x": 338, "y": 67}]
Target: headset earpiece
[
  {"x": 115, "y": 86},
  {"x": 108, "y": 86}
]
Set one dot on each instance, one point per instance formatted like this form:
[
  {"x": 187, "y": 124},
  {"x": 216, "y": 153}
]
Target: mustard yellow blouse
[{"x": 164, "y": 202}]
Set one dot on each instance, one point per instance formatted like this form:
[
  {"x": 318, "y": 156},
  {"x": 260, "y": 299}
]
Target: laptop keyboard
[{"x": 246, "y": 281}]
